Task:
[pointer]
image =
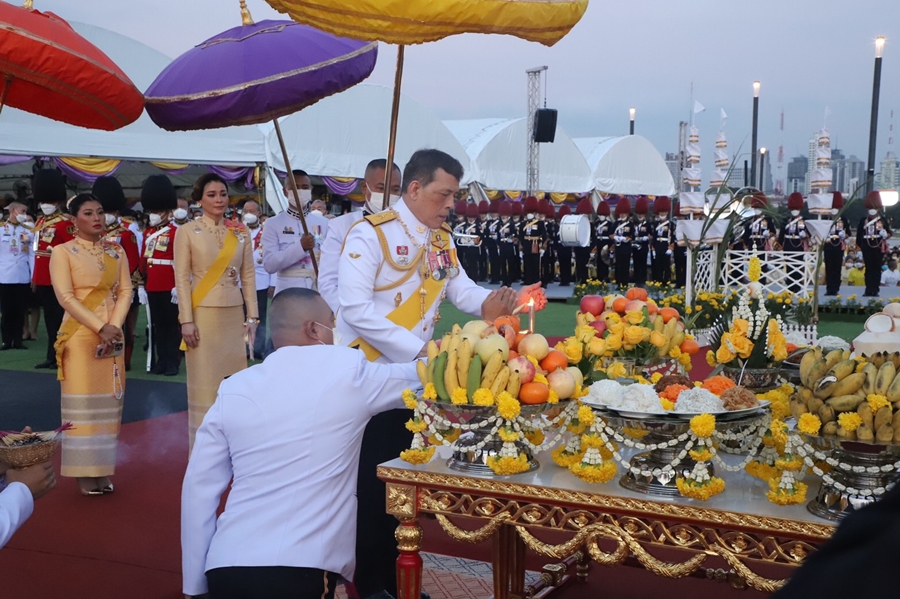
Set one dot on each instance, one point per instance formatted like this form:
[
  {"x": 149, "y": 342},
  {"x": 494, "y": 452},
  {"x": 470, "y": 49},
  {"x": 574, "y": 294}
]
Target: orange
[
  {"x": 519, "y": 337},
  {"x": 689, "y": 346},
  {"x": 555, "y": 359},
  {"x": 668, "y": 314},
  {"x": 513, "y": 354},
  {"x": 619, "y": 305},
  {"x": 637, "y": 293},
  {"x": 534, "y": 393},
  {"x": 652, "y": 308},
  {"x": 512, "y": 321}
]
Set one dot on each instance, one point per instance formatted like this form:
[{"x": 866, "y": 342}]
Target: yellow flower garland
[
  {"x": 701, "y": 455},
  {"x": 702, "y": 491},
  {"x": 761, "y": 471},
  {"x": 553, "y": 397},
  {"x": 508, "y": 406},
  {"x": 416, "y": 425},
  {"x": 507, "y": 466},
  {"x": 483, "y": 397},
  {"x": 703, "y": 425},
  {"x": 459, "y": 397},
  {"x": 430, "y": 393},
  {"x": 417, "y": 456},
  {"x": 850, "y": 421},
  {"x": 876, "y": 402},
  {"x": 508, "y": 435},
  {"x": 809, "y": 424},
  {"x": 564, "y": 459},
  {"x": 409, "y": 399},
  {"x": 585, "y": 416},
  {"x": 594, "y": 473},
  {"x": 780, "y": 496}
]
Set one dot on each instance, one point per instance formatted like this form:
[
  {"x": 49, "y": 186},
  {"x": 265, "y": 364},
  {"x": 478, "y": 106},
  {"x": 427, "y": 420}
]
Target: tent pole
[
  {"x": 7, "y": 84},
  {"x": 292, "y": 184},
  {"x": 392, "y": 139}
]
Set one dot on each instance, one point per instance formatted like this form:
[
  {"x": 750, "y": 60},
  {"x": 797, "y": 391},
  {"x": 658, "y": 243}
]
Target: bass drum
[{"x": 575, "y": 231}]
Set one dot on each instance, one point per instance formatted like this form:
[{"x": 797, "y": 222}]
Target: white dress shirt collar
[{"x": 414, "y": 227}]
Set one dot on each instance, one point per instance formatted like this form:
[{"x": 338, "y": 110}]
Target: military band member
[
  {"x": 251, "y": 217},
  {"x": 640, "y": 248},
  {"x": 286, "y": 249},
  {"x": 158, "y": 269},
  {"x": 680, "y": 252},
  {"x": 551, "y": 237},
  {"x": 663, "y": 241},
  {"x": 112, "y": 197},
  {"x": 759, "y": 229},
  {"x": 15, "y": 275},
  {"x": 483, "y": 208},
  {"x": 53, "y": 228},
  {"x": 489, "y": 241},
  {"x": 583, "y": 254},
  {"x": 563, "y": 252},
  {"x": 517, "y": 214},
  {"x": 395, "y": 270},
  {"x": 466, "y": 235},
  {"x": 373, "y": 191},
  {"x": 835, "y": 245},
  {"x": 623, "y": 237},
  {"x": 605, "y": 248},
  {"x": 871, "y": 237},
  {"x": 794, "y": 235},
  {"x": 507, "y": 243},
  {"x": 532, "y": 236}
]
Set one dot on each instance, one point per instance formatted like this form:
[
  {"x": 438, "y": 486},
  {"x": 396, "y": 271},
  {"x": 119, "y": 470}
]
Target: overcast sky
[{"x": 808, "y": 54}]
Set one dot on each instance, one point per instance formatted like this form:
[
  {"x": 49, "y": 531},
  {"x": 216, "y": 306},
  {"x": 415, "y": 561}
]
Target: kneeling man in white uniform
[{"x": 287, "y": 432}]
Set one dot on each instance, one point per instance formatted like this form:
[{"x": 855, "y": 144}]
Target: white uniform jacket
[
  {"x": 282, "y": 253},
  {"x": 331, "y": 255},
  {"x": 293, "y": 457},
  {"x": 363, "y": 310}
]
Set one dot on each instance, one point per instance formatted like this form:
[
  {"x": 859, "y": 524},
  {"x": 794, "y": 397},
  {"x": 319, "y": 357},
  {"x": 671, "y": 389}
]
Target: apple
[
  {"x": 635, "y": 305},
  {"x": 475, "y": 326},
  {"x": 600, "y": 325},
  {"x": 576, "y": 372},
  {"x": 525, "y": 367},
  {"x": 488, "y": 346},
  {"x": 563, "y": 382},
  {"x": 593, "y": 304},
  {"x": 509, "y": 334},
  {"x": 534, "y": 345}
]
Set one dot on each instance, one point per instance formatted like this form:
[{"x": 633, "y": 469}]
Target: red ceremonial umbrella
[{"x": 50, "y": 70}]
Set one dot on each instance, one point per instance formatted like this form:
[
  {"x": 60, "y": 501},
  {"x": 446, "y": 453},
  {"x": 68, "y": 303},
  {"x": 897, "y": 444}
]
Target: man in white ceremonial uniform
[
  {"x": 250, "y": 216},
  {"x": 15, "y": 275},
  {"x": 19, "y": 488},
  {"x": 373, "y": 190},
  {"x": 286, "y": 249},
  {"x": 389, "y": 304},
  {"x": 289, "y": 525}
]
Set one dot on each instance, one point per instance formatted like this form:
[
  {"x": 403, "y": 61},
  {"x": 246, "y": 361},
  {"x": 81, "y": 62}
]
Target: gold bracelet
[{"x": 252, "y": 321}]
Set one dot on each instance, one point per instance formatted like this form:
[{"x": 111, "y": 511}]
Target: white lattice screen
[
  {"x": 810, "y": 332},
  {"x": 781, "y": 270}
]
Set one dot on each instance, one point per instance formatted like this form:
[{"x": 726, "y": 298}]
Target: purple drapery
[
  {"x": 339, "y": 187},
  {"x": 235, "y": 174},
  {"x": 77, "y": 174},
  {"x": 7, "y": 159}
]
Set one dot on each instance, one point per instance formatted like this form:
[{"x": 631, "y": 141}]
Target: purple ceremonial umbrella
[{"x": 255, "y": 73}]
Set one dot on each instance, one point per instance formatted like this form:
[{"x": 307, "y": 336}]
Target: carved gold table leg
[
  {"x": 582, "y": 565},
  {"x": 402, "y": 503},
  {"x": 509, "y": 564}
]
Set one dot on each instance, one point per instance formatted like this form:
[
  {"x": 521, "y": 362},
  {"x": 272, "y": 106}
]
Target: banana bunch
[
  {"x": 832, "y": 383},
  {"x": 674, "y": 335},
  {"x": 455, "y": 365}
]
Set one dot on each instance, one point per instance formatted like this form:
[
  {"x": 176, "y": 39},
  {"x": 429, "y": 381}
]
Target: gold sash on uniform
[
  {"x": 213, "y": 275},
  {"x": 91, "y": 302}
]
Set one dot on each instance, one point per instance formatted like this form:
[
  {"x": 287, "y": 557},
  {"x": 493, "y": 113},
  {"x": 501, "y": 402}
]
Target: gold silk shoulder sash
[
  {"x": 91, "y": 302},
  {"x": 213, "y": 275}
]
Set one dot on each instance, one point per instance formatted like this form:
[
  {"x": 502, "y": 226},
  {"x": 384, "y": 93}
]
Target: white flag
[
  {"x": 698, "y": 107},
  {"x": 723, "y": 116}
]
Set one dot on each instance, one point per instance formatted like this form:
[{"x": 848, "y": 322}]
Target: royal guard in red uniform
[
  {"x": 623, "y": 238},
  {"x": 663, "y": 240},
  {"x": 112, "y": 197},
  {"x": 53, "y": 228},
  {"x": 680, "y": 251},
  {"x": 516, "y": 270},
  {"x": 835, "y": 245},
  {"x": 483, "y": 208},
  {"x": 563, "y": 252},
  {"x": 491, "y": 226},
  {"x": 640, "y": 248},
  {"x": 547, "y": 215},
  {"x": 794, "y": 236},
  {"x": 583, "y": 254},
  {"x": 531, "y": 238},
  {"x": 871, "y": 237},
  {"x": 157, "y": 268}
]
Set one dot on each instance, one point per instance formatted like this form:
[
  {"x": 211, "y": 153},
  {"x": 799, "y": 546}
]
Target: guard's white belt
[
  {"x": 294, "y": 272},
  {"x": 161, "y": 262}
]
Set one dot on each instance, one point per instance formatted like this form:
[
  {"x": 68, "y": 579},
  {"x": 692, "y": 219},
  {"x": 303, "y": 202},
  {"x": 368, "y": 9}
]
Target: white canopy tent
[
  {"x": 498, "y": 151},
  {"x": 22, "y": 133},
  {"x": 628, "y": 165}
]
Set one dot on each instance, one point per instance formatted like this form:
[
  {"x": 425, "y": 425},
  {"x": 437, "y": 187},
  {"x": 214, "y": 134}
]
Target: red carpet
[{"x": 127, "y": 545}]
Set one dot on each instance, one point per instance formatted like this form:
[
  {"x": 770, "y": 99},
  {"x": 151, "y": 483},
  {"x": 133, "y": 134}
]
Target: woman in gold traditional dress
[
  {"x": 211, "y": 255},
  {"x": 92, "y": 282}
]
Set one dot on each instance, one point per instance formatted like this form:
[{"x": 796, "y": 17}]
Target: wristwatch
[{"x": 253, "y": 321}]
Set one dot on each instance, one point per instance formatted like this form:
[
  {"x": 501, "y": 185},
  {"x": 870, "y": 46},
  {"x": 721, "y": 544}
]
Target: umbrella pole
[
  {"x": 292, "y": 184},
  {"x": 392, "y": 139}
]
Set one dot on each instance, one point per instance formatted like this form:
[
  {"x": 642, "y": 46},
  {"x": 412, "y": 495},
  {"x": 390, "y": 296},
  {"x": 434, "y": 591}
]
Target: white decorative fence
[
  {"x": 810, "y": 333},
  {"x": 781, "y": 271}
]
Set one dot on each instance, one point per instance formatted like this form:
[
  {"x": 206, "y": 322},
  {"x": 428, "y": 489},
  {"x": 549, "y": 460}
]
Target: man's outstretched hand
[{"x": 500, "y": 302}]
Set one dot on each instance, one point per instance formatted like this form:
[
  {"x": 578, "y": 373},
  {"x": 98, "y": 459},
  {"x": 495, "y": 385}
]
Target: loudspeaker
[{"x": 545, "y": 125}]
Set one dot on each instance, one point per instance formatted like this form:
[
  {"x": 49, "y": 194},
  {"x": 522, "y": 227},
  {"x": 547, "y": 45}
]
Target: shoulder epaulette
[
  {"x": 447, "y": 227},
  {"x": 380, "y": 218}
]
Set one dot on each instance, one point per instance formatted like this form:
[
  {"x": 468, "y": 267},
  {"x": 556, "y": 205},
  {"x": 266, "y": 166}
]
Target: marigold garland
[
  {"x": 416, "y": 425},
  {"x": 553, "y": 397},
  {"x": 789, "y": 462},
  {"x": 790, "y": 496},
  {"x": 654, "y": 378},
  {"x": 701, "y": 455},
  {"x": 594, "y": 473},
  {"x": 409, "y": 399},
  {"x": 540, "y": 378},
  {"x": 703, "y": 425},
  {"x": 850, "y": 421},
  {"x": 585, "y": 416},
  {"x": 564, "y": 459},
  {"x": 483, "y": 397},
  {"x": 635, "y": 433},
  {"x": 809, "y": 424},
  {"x": 430, "y": 393},
  {"x": 459, "y": 397},
  {"x": 761, "y": 471},
  {"x": 535, "y": 437},
  {"x": 754, "y": 270},
  {"x": 667, "y": 405},
  {"x": 508, "y": 407},
  {"x": 448, "y": 436},
  {"x": 417, "y": 456},
  {"x": 876, "y": 402},
  {"x": 702, "y": 491},
  {"x": 508, "y": 435},
  {"x": 507, "y": 466}
]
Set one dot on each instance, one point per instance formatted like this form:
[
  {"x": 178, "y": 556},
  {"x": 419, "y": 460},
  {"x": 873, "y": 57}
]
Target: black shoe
[
  {"x": 158, "y": 369},
  {"x": 171, "y": 372},
  {"x": 128, "y": 368},
  {"x": 19, "y": 345},
  {"x": 46, "y": 364},
  {"x": 5, "y": 347}
]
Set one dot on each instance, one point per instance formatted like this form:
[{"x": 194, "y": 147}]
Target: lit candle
[{"x": 531, "y": 315}]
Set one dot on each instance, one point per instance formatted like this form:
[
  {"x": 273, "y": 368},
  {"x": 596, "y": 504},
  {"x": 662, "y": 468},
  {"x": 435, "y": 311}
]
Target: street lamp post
[
  {"x": 873, "y": 125},
  {"x": 762, "y": 169},
  {"x": 631, "y": 117},
  {"x": 755, "y": 126}
]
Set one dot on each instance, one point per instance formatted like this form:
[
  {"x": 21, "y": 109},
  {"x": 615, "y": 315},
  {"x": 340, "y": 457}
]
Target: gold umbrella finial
[
  {"x": 246, "y": 19},
  {"x": 29, "y": 5}
]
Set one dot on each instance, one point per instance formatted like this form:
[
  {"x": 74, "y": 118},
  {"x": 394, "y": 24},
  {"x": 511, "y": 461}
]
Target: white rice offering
[
  {"x": 699, "y": 401},
  {"x": 639, "y": 398},
  {"x": 604, "y": 393},
  {"x": 832, "y": 342},
  {"x": 797, "y": 338}
]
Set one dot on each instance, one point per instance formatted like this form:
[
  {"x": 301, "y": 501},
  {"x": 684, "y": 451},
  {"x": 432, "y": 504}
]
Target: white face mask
[
  {"x": 376, "y": 201},
  {"x": 795, "y": 213},
  {"x": 872, "y": 212},
  {"x": 180, "y": 213},
  {"x": 316, "y": 212},
  {"x": 305, "y": 196},
  {"x": 859, "y": 265},
  {"x": 335, "y": 335},
  {"x": 834, "y": 211},
  {"x": 110, "y": 219},
  {"x": 250, "y": 218},
  {"x": 21, "y": 218},
  {"x": 48, "y": 209},
  {"x": 529, "y": 215},
  {"x": 155, "y": 219},
  {"x": 601, "y": 218}
]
